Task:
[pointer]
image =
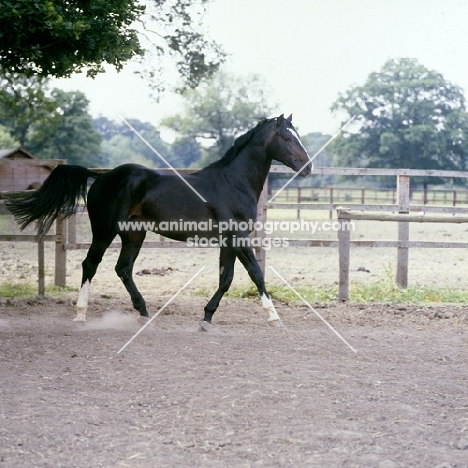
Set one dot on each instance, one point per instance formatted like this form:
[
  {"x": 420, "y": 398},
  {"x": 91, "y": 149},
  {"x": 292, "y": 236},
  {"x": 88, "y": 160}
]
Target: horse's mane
[{"x": 240, "y": 143}]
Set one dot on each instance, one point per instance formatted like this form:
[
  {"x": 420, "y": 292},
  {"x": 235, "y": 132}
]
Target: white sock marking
[
  {"x": 268, "y": 305},
  {"x": 82, "y": 304}
]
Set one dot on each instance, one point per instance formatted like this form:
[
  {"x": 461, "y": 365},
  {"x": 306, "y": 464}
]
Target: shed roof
[{"x": 7, "y": 153}]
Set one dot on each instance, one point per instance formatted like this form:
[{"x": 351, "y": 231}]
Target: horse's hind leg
[
  {"x": 131, "y": 245},
  {"x": 227, "y": 258},
  {"x": 247, "y": 258},
  {"x": 90, "y": 264}
]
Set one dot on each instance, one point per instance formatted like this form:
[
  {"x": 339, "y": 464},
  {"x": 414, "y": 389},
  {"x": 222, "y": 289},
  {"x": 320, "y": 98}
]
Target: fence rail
[
  {"x": 345, "y": 215},
  {"x": 335, "y": 195},
  {"x": 65, "y": 233}
]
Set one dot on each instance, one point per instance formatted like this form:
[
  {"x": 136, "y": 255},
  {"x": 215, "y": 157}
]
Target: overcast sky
[{"x": 308, "y": 51}]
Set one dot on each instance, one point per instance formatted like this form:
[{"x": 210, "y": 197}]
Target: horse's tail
[{"x": 58, "y": 195}]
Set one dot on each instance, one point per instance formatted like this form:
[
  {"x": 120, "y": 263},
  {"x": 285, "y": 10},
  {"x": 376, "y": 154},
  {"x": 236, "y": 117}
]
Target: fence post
[
  {"x": 344, "y": 244},
  {"x": 331, "y": 203},
  {"x": 40, "y": 267},
  {"x": 260, "y": 252},
  {"x": 60, "y": 252},
  {"x": 299, "y": 201},
  {"x": 72, "y": 229},
  {"x": 403, "y": 194}
]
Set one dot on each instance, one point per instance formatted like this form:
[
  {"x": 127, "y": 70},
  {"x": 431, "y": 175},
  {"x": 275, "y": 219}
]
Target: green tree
[
  {"x": 48, "y": 122},
  {"x": 409, "y": 116},
  {"x": 121, "y": 144},
  {"x": 219, "y": 110},
  {"x": 60, "y": 37},
  {"x": 73, "y": 137},
  {"x": 6, "y": 140},
  {"x": 25, "y": 102},
  {"x": 107, "y": 127},
  {"x": 120, "y": 149},
  {"x": 185, "y": 153}
]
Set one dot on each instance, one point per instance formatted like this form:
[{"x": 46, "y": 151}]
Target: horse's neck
[{"x": 251, "y": 167}]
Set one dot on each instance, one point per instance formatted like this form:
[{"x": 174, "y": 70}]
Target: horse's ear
[
  {"x": 279, "y": 120},
  {"x": 289, "y": 119}
]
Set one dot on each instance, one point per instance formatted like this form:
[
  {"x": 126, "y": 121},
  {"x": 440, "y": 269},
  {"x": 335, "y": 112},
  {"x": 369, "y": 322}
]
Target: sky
[{"x": 308, "y": 51}]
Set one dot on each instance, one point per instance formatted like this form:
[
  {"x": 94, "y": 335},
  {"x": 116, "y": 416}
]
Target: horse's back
[
  {"x": 112, "y": 194},
  {"x": 125, "y": 176}
]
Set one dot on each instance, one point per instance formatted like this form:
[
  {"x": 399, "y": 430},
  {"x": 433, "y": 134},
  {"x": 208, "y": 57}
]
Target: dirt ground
[{"x": 244, "y": 395}]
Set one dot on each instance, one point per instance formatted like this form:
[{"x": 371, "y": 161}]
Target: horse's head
[{"x": 286, "y": 147}]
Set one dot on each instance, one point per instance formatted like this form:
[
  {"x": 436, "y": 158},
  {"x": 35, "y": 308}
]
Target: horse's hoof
[
  {"x": 206, "y": 326},
  {"x": 79, "y": 319},
  {"x": 275, "y": 323},
  {"x": 143, "y": 319},
  {"x": 79, "y": 323}
]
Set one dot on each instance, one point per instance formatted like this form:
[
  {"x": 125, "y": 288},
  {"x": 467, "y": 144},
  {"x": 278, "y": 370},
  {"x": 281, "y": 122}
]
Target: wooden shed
[{"x": 19, "y": 170}]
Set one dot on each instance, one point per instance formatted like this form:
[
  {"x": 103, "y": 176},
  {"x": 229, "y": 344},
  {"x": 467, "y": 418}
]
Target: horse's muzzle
[{"x": 306, "y": 171}]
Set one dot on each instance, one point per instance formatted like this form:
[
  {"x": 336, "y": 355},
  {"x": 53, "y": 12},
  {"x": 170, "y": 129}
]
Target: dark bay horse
[{"x": 224, "y": 193}]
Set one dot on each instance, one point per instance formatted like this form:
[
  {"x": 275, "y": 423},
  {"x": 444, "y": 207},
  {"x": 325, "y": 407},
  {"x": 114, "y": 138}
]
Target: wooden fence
[
  {"x": 371, "y": 196},
  {"x": 60, "y": 255},
  {"x": 402, "y": 206},
  {"x": 403, "y": 244},
  {"x": 366, "y": 196},
  {"x": 65, "y": 234}
]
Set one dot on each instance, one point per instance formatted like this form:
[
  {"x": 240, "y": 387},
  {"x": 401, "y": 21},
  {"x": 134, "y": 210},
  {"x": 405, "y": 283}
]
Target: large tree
[
  {"x": 25, "y": 102},
  {"x": 48, "y": 122},
  {"x": 6, "y": 140},
  {"x": 59, "y": 37},
  {"x": 121, "y": 144},
  {"x": 73, "y": 136},
  {"x": 409, "y": 116},
  {"x": 219, "y": 110}
]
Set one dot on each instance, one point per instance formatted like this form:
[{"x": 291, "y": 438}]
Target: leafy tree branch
[{"x": 56, "y": 38}]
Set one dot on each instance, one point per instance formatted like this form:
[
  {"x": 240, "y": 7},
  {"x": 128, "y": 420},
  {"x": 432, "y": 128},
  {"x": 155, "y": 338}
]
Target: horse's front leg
[
  {"x": 247, "y": 258},
  {"x": 227, "y": 258},
  {"x": 82, "y": 303}
]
